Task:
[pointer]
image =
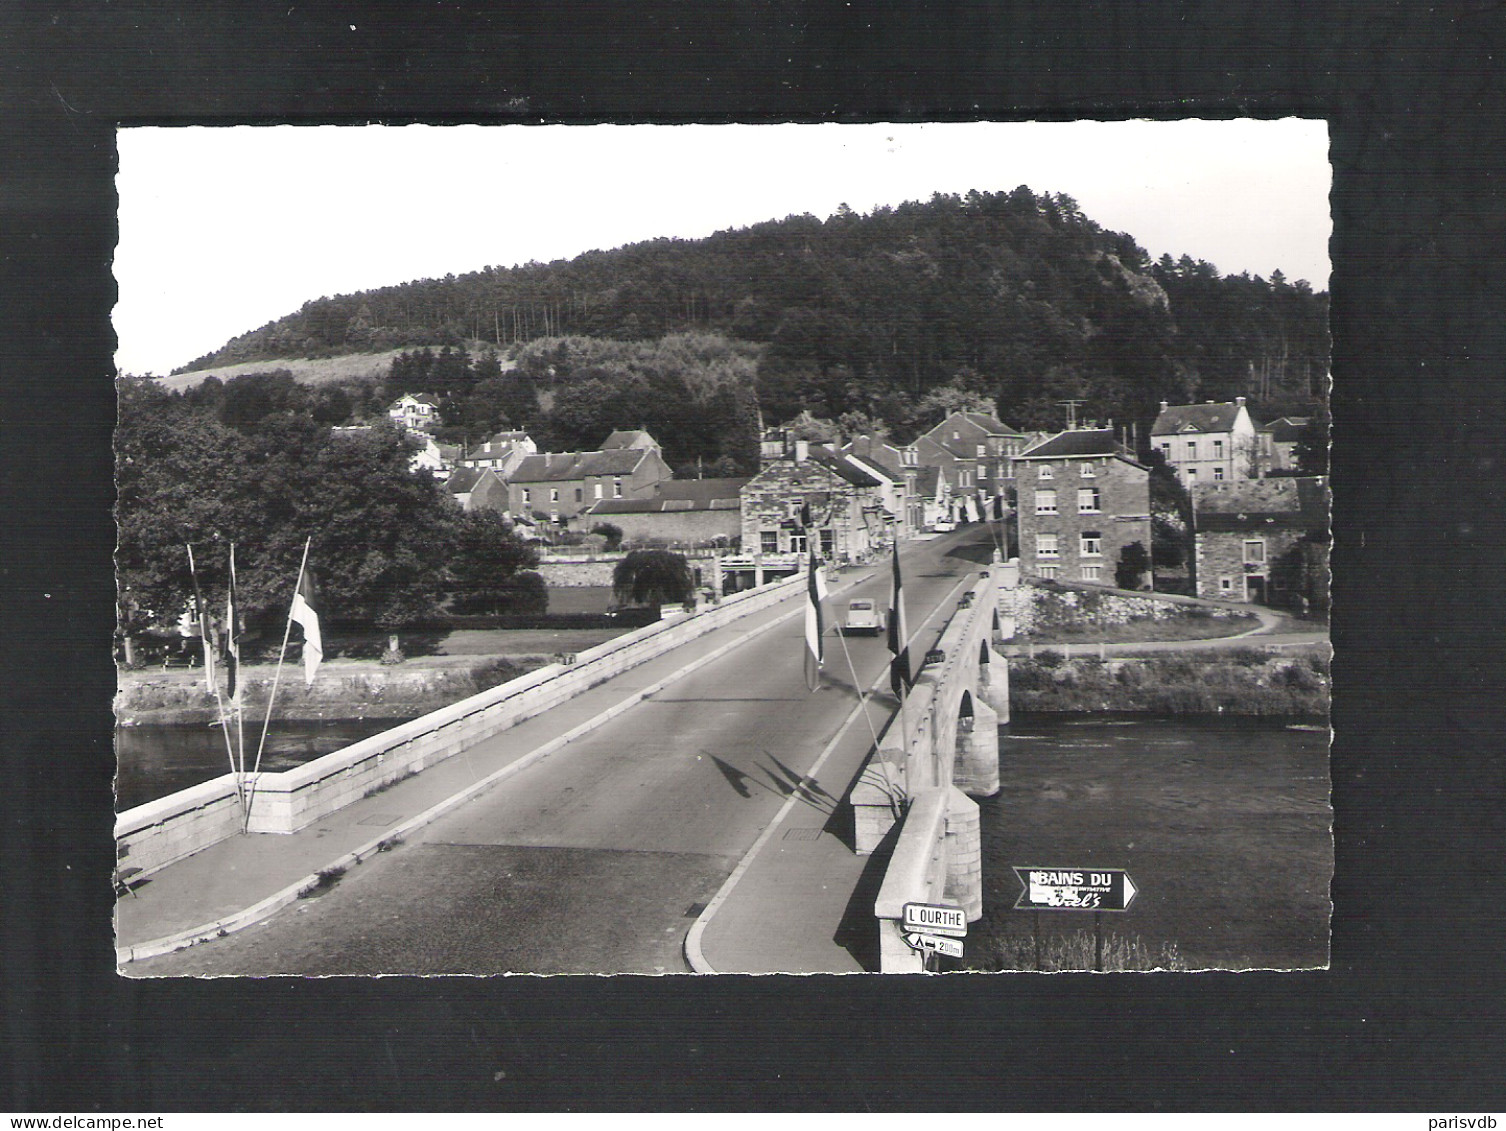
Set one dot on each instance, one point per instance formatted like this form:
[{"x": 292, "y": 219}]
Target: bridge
[{"x": 637, "y": 776}]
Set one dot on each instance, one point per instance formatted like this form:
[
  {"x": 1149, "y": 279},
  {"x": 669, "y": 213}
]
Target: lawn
[{"x": 1142, "y": 631}]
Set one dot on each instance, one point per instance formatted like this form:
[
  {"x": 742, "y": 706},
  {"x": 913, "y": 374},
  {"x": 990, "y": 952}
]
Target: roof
[
  {"x": 1287, "y": 429},
  {"x": 556, "y": 467},
  {"x": 990, "y": 423},
  {"x": 416, "y": 398},
  {"x": 463, "y": 479},
  {"x": 701, "y": 492},
  {"x": 1211, "y": 417},
  {"x": 627, "y": 438},
  {"x": 929, "y": 481},
  {"x": 1306, "y": 509},
  {"x": 845, "y": 468},
  {"x": 1078, "y": 443},
  {"x": 877, "y": 453}
]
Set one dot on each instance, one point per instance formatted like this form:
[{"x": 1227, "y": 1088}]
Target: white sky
[{"x": 225, "y": 229}]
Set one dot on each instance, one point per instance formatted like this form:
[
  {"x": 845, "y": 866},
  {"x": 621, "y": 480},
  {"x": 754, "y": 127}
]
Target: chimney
[
  {"x": 1239, "y": 402},
  {"x": 802, "y": 450},
  {"x": 1164, "y": 406}
]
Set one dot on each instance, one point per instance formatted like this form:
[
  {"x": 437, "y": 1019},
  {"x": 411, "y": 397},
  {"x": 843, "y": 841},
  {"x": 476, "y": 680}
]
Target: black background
[{"x": 1409, "y": 1017}]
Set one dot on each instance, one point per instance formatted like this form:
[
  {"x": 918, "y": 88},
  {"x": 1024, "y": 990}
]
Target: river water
[
  {"x": 153, "y": 761},
  {"x": 1223, "y": 825}
]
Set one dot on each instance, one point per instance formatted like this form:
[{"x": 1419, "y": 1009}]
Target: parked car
[{"x": 944, "y": 526}]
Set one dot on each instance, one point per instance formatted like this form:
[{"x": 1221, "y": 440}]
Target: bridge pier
[
  {"x": 964, "y": 854},
  {"x": 977, "y": 767}
]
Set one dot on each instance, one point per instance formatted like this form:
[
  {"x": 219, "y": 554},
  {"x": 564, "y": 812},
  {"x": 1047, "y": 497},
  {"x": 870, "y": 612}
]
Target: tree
[
  {"x": 487, "y": 562},
  {"x": 1133, "y": 565},
  {"x": 652, "y": 577},
  {"x": 1311, "y": 451},
  {"x": 611, "y": 532}
]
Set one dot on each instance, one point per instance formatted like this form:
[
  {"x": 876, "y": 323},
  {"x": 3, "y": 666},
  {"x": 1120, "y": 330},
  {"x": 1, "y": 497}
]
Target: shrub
[
  {"x": 611, "y": 532},
  {"x": 1049, "y": 659}
]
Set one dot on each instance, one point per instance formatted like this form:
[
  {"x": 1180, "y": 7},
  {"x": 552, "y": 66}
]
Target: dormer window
[
  {"x": 1089, "y": 469},
  {"x": 1045, "y": 472}
]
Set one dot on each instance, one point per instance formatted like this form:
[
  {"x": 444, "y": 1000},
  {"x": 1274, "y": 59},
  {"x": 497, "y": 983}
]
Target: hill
[{"x": 1015, "y": 297}]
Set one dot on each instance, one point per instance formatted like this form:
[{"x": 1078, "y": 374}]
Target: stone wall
[{"x": 1038, "y": 608}]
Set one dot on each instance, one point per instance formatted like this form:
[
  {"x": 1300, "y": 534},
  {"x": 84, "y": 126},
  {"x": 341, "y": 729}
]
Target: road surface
[{"x": 599, "y": 858}]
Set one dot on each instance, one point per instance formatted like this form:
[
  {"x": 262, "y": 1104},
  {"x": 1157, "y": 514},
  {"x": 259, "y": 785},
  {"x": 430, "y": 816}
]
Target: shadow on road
[{"x": 857, "y": 933}]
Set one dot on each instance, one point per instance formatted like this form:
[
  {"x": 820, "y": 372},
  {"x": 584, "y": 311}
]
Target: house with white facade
[{"x": 1211, "y": 442}]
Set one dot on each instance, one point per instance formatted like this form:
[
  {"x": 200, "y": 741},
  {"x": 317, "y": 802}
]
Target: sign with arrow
[
  {"x": 935, "y": 919},
  {"x": 1074, "y": 889},
  {"x": 940, "y": 944}
]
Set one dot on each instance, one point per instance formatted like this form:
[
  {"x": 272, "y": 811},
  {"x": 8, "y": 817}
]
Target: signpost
[
  {"x": 934, "y": 928},
  {"x": 1074, "y": 889}
]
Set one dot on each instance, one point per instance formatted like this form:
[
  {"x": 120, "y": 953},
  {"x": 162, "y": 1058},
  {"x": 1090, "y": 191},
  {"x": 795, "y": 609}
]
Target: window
[
  {"x": 1091, "y": 572},
  {"x": 982, "y": 472},
  {"x": 1045, "y": 472},
  {"x": 1045, "y": 546},
  {"x": 1226, "y": 585},
  {"x": 579, "y": 494},
  {"x": 1092, "y": 544},
  {"x": 1218, "y": 473},
  {"x": 982, "y": 450},
  {"x": 1191, "y": 476},
  {"x": 956, "y": 435},
  {"x": 617, "y": 487},
  {"x": 1048, "y": 572},
  {"x": 554, "y": 494},
  {"x": 598, "y": 488},
  {"x": 1087, "y": 500},
  {"x": 964, "y": 478},
  {"x": 797, "y": 541},
  {"x": 1255, "y": 551},
  {"x": 1045, "y": 502},
  {"x": 828, "y": 542},
  {"x": 768, "y": 541},
  {"x": 1218, "y": 449},
  {"x": 1166, "y": 451},
  {"x": 527, "y": 497},
  {"x": 1089, "y": 469},
  {"x": 1192, "y": 449}
]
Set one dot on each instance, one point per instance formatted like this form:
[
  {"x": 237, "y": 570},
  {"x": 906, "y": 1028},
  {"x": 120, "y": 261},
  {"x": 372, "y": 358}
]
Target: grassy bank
[
  {"x": 343, "y": 690},
  {"x": 1141, "y": 630},
  {"x": 1235, "y": 681}
]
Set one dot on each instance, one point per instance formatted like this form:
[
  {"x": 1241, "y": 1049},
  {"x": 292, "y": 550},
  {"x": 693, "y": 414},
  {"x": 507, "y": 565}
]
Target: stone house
[
  {"x": 848, "y": 516},
  {"x": 1207, "y": 443},
  {"x": 564, "y": 485},
  {"x": 974, "y": 451},
  {"x": 899, "y": 470},
  {"x": 1082, "y": 500},
  {"x": 692, "y": 512},
  {"x": 1263, "y": 540},
  {"x": 477, "y": 488}
]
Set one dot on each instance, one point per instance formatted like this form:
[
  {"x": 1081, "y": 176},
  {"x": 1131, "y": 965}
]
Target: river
[
  {"x": 153, "y": 761},
  {"x": 1223, "y": 825}
]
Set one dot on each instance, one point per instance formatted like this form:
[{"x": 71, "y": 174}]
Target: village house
[
  {"x": 687, "y": 512},
  {"x": 501, "y": 453},
  {"x": 973, "y": 450},
  {"x": 1207, "y": 443},
  {"x": 477, "y": 488},
  {"x": 847, "y": 512},
  {"x": 1264, "y": 541},
  {"x": 899, "y": 470},
  {"x": 1082, "y": 500},
  {"x": 933, "y": 497},
  {"x": 1278, "y": 443},
  {"x": 563, "y": 485},
  {"x": 417, "y": 412}
]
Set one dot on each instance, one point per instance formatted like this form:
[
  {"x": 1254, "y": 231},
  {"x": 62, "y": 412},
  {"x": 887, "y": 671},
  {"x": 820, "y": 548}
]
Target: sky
[{"x": 223, "y": 229}]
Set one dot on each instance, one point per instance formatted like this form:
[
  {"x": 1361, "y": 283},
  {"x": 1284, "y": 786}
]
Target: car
[
  {"x": 944, "y": 526},
  {"x": 863, "y": 616}
]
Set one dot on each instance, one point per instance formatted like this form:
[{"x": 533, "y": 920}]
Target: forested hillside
[{"x": 1012, "y": 297}]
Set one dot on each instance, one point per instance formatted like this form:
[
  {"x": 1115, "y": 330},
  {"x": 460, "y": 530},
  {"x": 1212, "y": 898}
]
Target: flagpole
[
  {"x": 287, "y": 632},
  {"x": 214, "y": 684},
  {"x": 238, "y": 701}
]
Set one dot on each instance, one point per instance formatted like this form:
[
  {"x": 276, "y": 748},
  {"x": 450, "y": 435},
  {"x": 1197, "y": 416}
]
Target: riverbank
[
  {"x": 1232, "y": 681},
  {"x": 344, "y": 689}
]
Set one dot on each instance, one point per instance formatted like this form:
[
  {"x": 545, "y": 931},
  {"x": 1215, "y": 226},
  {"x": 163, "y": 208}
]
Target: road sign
[
  {"x": 935, "y": 919},
  {"x": 952, "y": 948},
  {"x": 1074, "y": 889}
]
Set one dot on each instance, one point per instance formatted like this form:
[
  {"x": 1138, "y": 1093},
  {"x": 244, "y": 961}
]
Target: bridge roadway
[{"x": 599, "y": 858}]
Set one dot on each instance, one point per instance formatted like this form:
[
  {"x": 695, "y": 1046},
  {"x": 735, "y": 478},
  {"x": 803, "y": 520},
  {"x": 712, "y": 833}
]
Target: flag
[
  {"x": 815, "y": 587},
  {"x": 304, "y": 613},
  {"x": 232, "y": 637},
  {"x": 201, "y": 614},
  {"x": 899, "y": 636}
]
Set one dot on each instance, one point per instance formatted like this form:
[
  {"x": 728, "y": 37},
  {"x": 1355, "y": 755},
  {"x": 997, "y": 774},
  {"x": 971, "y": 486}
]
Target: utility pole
[{"x": 1071, "y": 407}]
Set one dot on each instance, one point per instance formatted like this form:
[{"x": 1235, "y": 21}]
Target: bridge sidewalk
[{"x": 233, "y": 883}]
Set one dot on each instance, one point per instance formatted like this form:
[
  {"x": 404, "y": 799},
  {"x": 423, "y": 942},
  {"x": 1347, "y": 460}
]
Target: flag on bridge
[
  {"x": 201, "y": 614},
  {"x": 232, "y": 637},
  {"x": 899, "y": 636},
  {"x": 815, "y": 588},
  {"x": 303, "y": 613}
]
